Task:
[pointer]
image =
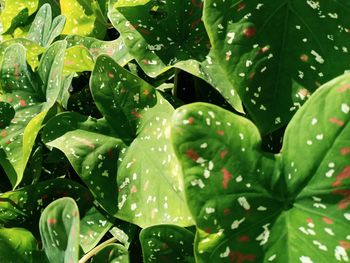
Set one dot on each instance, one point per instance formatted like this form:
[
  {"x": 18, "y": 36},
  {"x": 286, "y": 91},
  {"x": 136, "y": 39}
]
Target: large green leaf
[
  {"x": 276, "y": 53},
  {"x": 84, "y": 17},
  {"x": 59, "y": 230},
  {"x": 167, "y": 243},
  {"x": 17, "y": 245},
  {"x": 251, "y": 206},
  {"x": 126, "y": 159},
  {"x": 31, "y": 100}
]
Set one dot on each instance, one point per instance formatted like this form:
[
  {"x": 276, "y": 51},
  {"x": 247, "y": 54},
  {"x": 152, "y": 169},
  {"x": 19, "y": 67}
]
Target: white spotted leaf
[
  {"x": 114, "y": 253},
  {"x": 167, "y": 243},
  {"x": 276, "y": 53},
  {"x": 59, "y": 230},
  {"x": 253, "y": 206}
]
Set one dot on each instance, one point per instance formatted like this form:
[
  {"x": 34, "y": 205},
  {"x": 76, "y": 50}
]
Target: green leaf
[
  {"x": 59, "y": 230},
  {"x": 257, "y": 207},
  {"x": 167, "y": 243},
  {"x": 6, "y": 114},
  {"x": 77, "y": 59},
  {"x": 83, "y": 18},
  {"x": 43, "y": 30},
  {"x": 16, "y": 12},
  {"x": 21, "y": 88},
  {"x": 17, "y": 245},
  {"x": 277, "y": 53},
  {"x": 23, "y": 207},
  {"x": 112, "y": 253},
  {"x": 125, "y": 157},
  {"x": 93, "y": 226},
  {"x": 161, "y": 35}
]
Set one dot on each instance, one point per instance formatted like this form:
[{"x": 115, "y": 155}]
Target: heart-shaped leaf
[
  {"x": 59, "y": 230},
  {"x": 17, "y": 245},
  {"x": 251, "y": 206},
  {"x": 277, "y": 53},
  {"x": 43, "y": 30},
  {"x": 167, "y": 243},
  {"x": 84, "y": 17},
  {"x": 126, "y": 159},
  {"x": 31, "y": 101},
  {"x": 93, "y": 226}
]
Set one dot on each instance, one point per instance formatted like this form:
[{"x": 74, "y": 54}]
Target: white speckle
[
  {"x": 347, "y": 216},
  {"x": 341, "y": 254},
  {"x": 244, "y": 203},
  {"x": 236, "y": 223},
  {"x": 319, "y": 136},
  {"x": 304, "y": 259},
  {"x": 313, "y": 121},
  {"x": 264, "y": 236},
  {"x": 231, "y": 37},
  {"x": 330, "y": 173},
  {"x": 239, "y": 178},
  {"x": 204, "y": 145},
  {"x": 345, "y": 108},
  {"x": 226, "y": 253},
  {"x": 318, "y": 57},
  {"x": 272, "y": 258},
  {"x": 209, "y": 210},
  {"x": 261, "y": 208}
]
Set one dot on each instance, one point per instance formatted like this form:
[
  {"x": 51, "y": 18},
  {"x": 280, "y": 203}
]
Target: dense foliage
[{"x": 174, "y": 131}]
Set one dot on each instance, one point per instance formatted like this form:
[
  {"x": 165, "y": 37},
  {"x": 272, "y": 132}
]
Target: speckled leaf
[
  {"x": 26, "y": 95},
  {"x": 93, "y": 226},
  {"x": 276, "y": 53},
  {"x": 16, "y": 11},
  {"x": 167, "y": 243},
  {"x": 161, "y": 35},
  {"x": 112, "y": 253},
  {"x": 251, "y": 206},
  {"x": 124, "y": 232},
  {"x": 59, "y": 230},
  {"x": 32, "y": 48},
  {"x": 43, "y": 30},
  {"x": 149, "y": 178},
  {"x": 115, "y": 49},
  {"x": 23, "y": 207},
  {"x": 17, "y": 245},
  {"x": 84, "y": 17},
  {"x": 77, "y": 59}
]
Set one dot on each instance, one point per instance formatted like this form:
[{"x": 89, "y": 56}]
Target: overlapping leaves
[
  {"x": 252, "y": 206},
  {"x": 124, "y": 157}
]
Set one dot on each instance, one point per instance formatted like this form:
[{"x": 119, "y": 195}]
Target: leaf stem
[{"x": 94, "y": 251}]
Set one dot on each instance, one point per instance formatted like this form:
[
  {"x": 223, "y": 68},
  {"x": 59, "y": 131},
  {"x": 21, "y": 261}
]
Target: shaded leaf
[{"x": 112, "y": 253}]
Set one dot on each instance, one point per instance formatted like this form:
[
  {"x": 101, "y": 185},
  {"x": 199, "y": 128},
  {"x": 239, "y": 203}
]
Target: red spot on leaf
[
  {"x": 9, "y": 99},
  {"x": 336, "y": 121},
  {"x": 238, "y": 257},
  {"x": 264, "y": 49},
  {"x": 3, "y": 133},
  {"x": 345, "y": 151},
  {"x": 346, "y": 200},
  {"x": 144, "y": 31},
  {"x": 208, "y": 230},
  {"x": 192, "y": 154},
  {"x": 110, "y": 153},
  {"x": 145, "y": 92},
  {"x": 51, "y": 221},
  {"x": 309, "y": 220},
  {"x": 327, "y": 220},
  {"x": 110, "y": 75},
  {"x": 304, "y": 58},
  {"x": 344, "y": 244},
  {"x": 22, "y": 103},
  {"x": 249, "y": 32},
  {"x": 136, "y": 114},
  {"x": 45, "y": 197},
  {"x": 241, "y": 6},
  {"x": 16, "y": 71},
  {"x": 343, "y": 175},
  {"x": 199, "y": 4},
  {"x": 190, "y": 120},
  {"x": 223, "y": 153},
  {"x": 243, "y": 239},
  {"x": 252, "y": 75},
  {"x": 133, "y": 189},
  {"x": 195, "y": 23},
  {"x": 227, "y": 211},
  {"x": 343, "y": 88},
  {"x": 221, "y": 133},
  {"x": 227, "y": 176}
]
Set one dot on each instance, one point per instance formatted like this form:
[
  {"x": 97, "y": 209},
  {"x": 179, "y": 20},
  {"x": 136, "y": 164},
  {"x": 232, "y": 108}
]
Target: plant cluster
[{"x": 175, "y": 131}]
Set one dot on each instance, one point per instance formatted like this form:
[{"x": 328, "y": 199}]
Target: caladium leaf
[
  {"x": 32, "y": 48},
  {"x": 59, "y": 230},
  {"x": 112, "y": 253},
  {"x": 83, "y": 18},
  {"x": 93, "y": 226},
  {"x": 17, "y": 245},
  {"x": 77, "y": 59},
  {"x": 167, "y": 243},
  {"x": 16, "y": 12},
  {"x": 43, "y": 30},
  {"x": 160, "y": 35},
  {"x": 115, "y": 48},
  {"x": 125, "y": 157},
  {"x": 276, "y": 53},
  {"x": 251, "y": 206},
  {"x": 23, "y": 207},
  {"x": 31, "y": 101}
]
